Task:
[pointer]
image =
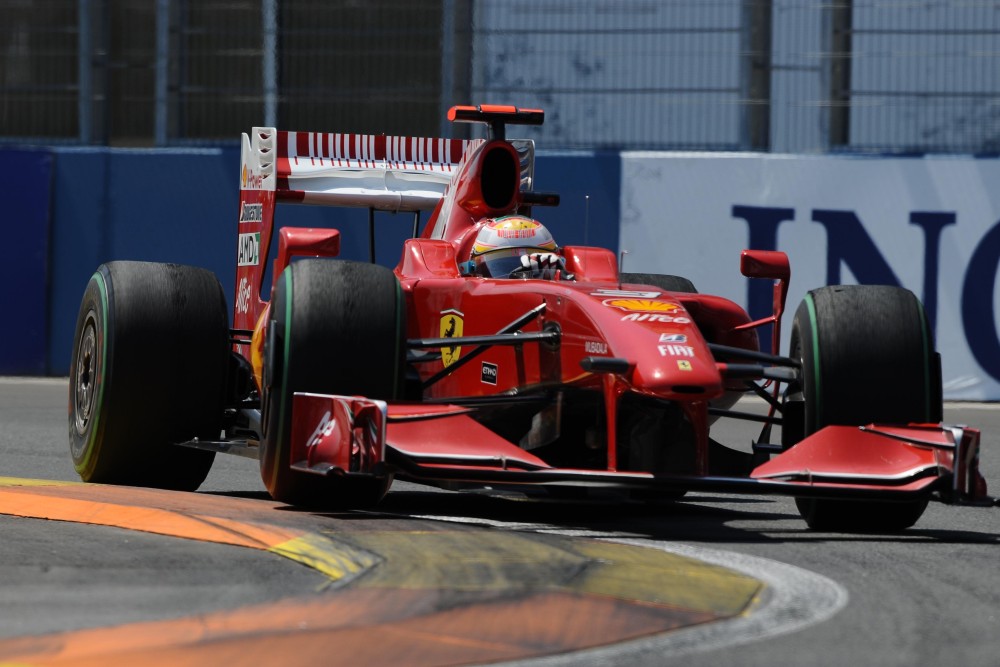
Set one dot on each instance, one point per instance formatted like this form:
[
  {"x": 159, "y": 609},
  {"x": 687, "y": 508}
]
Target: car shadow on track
[
  {"x": 664, "y": 520},
  {"x": 699, "y": 518},
  {"x": 703, "y": 518}
]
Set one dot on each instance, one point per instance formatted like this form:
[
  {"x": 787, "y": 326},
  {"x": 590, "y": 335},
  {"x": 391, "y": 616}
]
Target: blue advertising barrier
[
  {"x": 111, "y": 204},
  {"x": 181, "y": 206},
  {"x": 26, "y": 175}
]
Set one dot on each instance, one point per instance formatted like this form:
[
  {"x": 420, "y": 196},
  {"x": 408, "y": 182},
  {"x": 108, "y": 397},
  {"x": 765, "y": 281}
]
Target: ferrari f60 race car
[{"x": 580, "y": 378}]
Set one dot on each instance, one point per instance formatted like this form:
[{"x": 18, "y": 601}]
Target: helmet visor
[{"x": 503, "y": 263}]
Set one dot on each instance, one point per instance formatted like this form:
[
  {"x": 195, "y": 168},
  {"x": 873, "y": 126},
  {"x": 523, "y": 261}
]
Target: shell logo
[
  {"x": 243, "y": 177},
  {"x": 642, "y": 305}
]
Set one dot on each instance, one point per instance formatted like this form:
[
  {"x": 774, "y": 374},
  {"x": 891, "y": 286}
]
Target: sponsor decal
[
  {"x": 323, "y": 429},
  {"x": 516, "y": 233},
  {"x": 655, "y": 318},
  {"x": 251, "y": 212},
  {"x": 642, "y": 305},
  {"x": 489, "y": 373},
  {"x": 595, "y": 347},
  {"x": 248, "y": 253},
  {"x": 673, "y": 338},
  {"x": 683, "y": 365},
  {"x": 251, "y": 180},
  {"x": 515, "y": 227},
  {"x": 243, "y": 296},
  {"x": 676, "y": 350},
  {"x": 452, "y": 323},
  {"x": 625, "y": 293}
]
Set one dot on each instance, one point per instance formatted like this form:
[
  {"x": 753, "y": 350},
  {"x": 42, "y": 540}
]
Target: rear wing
[
  {"x": 365, "y": 170},
  {"x": 382, "y": 172}
]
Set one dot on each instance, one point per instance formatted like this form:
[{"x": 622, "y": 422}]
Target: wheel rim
[{"x": 85, "y": 378}]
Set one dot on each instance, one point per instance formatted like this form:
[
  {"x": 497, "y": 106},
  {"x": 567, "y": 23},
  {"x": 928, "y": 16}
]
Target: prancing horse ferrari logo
[{"x": 451, "y": 327}]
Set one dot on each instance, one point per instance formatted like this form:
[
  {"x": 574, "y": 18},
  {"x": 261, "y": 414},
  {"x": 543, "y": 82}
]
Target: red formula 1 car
[{"x": 492, "y": 357}]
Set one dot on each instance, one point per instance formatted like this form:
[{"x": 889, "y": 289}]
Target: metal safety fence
[{"x": 800, "y": 76}]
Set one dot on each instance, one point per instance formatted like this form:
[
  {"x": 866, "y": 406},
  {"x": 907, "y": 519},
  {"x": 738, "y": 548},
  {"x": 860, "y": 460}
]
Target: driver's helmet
[{"x": 502, "y": 242}]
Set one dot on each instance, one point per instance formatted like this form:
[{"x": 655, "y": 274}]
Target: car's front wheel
[
  {"x": 867, "y": 356},
  {"x": 336, "y": 327}
]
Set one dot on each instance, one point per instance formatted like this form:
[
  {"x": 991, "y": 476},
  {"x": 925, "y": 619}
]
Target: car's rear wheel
[
  {"x": 867, "y": 355},
  {"x": 149, "y": 366},
  {"x": 336, "y": 327},
  {"x": 661, "y": 280}
]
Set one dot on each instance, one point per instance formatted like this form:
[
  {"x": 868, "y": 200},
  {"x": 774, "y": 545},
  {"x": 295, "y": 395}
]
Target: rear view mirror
[
  {"x": 772, "y": 264},
  {"x": 765, "y": 264}
]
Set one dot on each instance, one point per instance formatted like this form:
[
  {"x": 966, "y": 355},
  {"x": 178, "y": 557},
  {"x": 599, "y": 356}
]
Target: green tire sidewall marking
[
  {"x": 814, "y": 342},
  {"x": 928, "y": 390},
  {"x": 280, "y": 437},
  {"x": 93, "y": 445}
]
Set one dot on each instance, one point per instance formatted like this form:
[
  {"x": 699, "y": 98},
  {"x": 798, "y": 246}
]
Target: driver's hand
[{"x": 545, "y": 265}]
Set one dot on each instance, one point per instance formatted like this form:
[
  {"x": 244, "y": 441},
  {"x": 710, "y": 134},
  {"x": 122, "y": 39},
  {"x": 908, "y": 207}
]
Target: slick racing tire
[
  {"x": 149, "y": 365},
  {"x": 336, "y": 327},
  {"x": 867, "y": 356},
  {"x": 663, "y": 281}
]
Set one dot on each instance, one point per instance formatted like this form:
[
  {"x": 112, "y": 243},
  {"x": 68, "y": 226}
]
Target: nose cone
[
  {"x": 675, "y": 370},
  {"x": 668, "y": 354}
]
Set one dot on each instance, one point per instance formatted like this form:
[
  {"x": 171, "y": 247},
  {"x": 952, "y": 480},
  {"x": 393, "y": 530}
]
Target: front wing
[{"x": 444, "y": 445}]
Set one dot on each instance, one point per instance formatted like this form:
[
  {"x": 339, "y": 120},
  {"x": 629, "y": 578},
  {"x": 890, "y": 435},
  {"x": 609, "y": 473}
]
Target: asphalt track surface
[{"x": 444, "y": 578}]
